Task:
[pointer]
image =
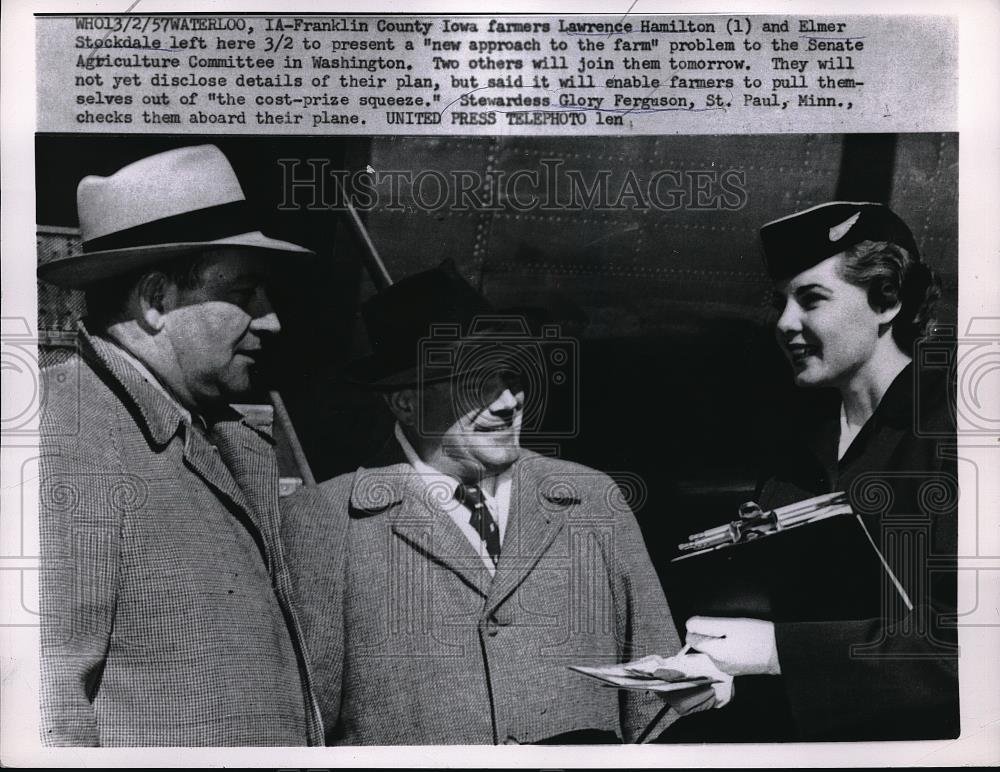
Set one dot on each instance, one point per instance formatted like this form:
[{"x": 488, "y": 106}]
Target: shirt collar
[
  {"x": 160, "y": 414},
  {"x": 152, "y": 380},
  {"x": 431, "y": 475}
]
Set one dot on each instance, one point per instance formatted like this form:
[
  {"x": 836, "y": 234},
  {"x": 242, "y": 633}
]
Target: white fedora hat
[{"x": 157, "y": 208}]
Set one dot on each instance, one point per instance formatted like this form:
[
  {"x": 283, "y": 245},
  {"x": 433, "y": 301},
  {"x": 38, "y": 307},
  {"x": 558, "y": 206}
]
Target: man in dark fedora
[
  {"x": 167, "y": 617},
  {"x": 447, "y": 586}
]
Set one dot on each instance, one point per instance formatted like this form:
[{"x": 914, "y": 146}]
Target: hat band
[{"x": 208, "y": 224}]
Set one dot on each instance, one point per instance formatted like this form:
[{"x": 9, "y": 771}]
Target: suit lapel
[
  {"x": 248, "y": 454},
  {"x": 234, "y": 468},
  {"x": 885, "y": 430},
  {"x": 415, "y": 518},
  {"x": 537, "y": 514}
]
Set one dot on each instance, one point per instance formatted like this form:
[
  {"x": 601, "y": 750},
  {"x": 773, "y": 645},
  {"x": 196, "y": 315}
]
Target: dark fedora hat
[
  {"x": 801, "y": 240},
  {"x": 428, "y": 327}
]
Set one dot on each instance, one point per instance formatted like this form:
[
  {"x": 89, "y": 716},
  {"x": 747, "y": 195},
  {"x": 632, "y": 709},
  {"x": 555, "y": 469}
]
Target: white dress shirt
[
  {"x": 847, "y": 433},
  {"x": 496, "y": 496}
]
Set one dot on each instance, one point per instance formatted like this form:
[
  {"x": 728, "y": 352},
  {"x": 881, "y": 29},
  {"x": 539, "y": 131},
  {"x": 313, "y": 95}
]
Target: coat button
[{"x": 494, "y": 623}]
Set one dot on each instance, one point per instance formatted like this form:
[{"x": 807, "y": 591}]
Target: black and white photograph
[
  {"x": 619, "y": 380},
  {"x": 508, "y": 420}
]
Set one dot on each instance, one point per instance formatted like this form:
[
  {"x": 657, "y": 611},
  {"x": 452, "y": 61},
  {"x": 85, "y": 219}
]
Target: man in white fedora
[{"x": 167, "y": 616}]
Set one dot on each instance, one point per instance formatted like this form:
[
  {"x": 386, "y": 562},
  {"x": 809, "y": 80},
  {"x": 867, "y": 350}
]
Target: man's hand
[
  {"x": 692, "y": 700},
  {"x": 689, "y": 665},
  {"x": 738, "y": 646},
  {"x": 702, "y": 665}
]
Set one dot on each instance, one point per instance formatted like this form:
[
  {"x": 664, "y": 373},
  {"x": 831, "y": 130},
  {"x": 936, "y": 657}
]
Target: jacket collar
[
  {"x": 540, "y": 502},
  {"x": 895, "y": 412},
  {"x": 915, "y": 391},
  {"x": 895, "y": 417},
  {"x": 158, "y": 415},
  {"x": 413, "y": 514},
  {"x": 538, "y": 510},
  {"x": 234, "y": 465}
]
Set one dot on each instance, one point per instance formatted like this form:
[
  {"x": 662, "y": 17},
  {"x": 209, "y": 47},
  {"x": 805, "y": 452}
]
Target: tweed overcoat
[
  {"x": 414, "y": 642},
  {"x": 166, "y": 616}
]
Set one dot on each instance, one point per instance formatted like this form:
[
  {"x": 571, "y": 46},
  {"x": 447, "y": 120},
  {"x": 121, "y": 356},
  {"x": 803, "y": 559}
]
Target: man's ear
[
  {"x": 403, "y": 405},
  {"x": 155, "y": 295}
]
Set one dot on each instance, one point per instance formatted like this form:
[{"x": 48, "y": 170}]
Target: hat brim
[
  {"x": 80, "y": 271},
  {"x": 372, "y": 372}
]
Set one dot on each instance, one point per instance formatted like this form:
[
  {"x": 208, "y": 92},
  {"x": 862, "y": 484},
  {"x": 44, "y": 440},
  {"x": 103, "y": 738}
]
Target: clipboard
[{"x": 814, "y": 560}]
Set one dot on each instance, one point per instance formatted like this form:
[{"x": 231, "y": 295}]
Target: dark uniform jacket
[
  {"x": 894, "y": 676},
  {"x": 891, "y": 674}
]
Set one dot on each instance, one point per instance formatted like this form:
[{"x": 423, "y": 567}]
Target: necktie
[{"x": 472, "y": 498}]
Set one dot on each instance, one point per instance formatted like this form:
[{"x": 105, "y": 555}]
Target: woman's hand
[{"x": 738, "y": 646}]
